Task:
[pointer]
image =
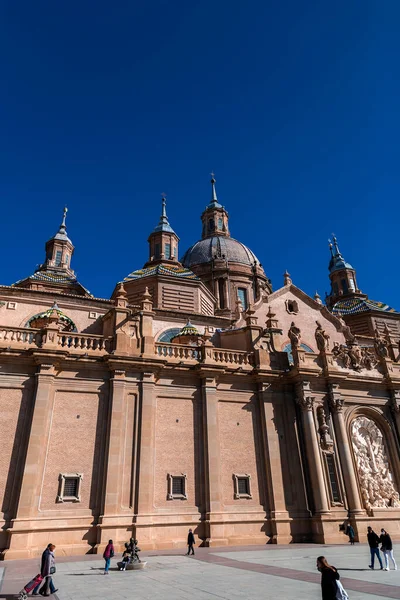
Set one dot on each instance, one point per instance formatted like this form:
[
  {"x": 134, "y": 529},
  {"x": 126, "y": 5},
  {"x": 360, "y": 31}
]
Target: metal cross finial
[
  {"x": 212, "y": 175},
  {"x": 163, "y": 195},
  {"x": 64, "y": 216}
]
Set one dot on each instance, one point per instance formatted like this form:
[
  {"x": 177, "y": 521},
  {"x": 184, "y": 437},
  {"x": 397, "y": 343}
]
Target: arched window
[
  {"x": 168, "y": 334},
  {"x": 288, "y": 349}
]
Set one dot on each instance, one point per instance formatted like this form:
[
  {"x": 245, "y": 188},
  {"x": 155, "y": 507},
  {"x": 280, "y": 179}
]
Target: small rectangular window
[
  {"x": 177, "y": 487},
  {"x": 335, "y": 492},
  {"x": 58, "y": 258},
  {"x": 66, "y": 259},
  {"x": 167, "y": 251},
  {"x": 242, "y": 295},
  {"x": 69, "y": 487},
  {"x": 220, "y": 224},
  {"x": 157, "y": 251},
  {"x": 242, "y": 487}
]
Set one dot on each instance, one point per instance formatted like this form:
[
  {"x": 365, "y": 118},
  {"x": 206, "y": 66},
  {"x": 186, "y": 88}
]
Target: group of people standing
[{"x": 386, "y": 546}]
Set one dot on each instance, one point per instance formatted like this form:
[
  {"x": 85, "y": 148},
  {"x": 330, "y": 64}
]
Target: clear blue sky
[{"x": 294, "y": 105}]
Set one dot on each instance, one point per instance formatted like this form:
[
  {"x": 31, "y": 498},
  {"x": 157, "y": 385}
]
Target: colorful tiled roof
[
  {"x": 189, "y": 329},
  {"x": 351, "y": 306},
  {"x": 160, "y": 269},
  {"x": 52, "y": 277},
  {"x": 47, "y": 314}
]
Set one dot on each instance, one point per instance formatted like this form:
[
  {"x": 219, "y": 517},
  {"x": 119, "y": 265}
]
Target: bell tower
[
  {"x": 163, "y": 241},
  {"x": 214, "y": 217},
  {"x": 342, "y": 276},
  {"x": 59, "y": 250}
]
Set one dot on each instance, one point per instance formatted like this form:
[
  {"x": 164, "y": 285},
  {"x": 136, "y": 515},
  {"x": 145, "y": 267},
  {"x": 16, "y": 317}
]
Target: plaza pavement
[{"x": 248, "y": 573}]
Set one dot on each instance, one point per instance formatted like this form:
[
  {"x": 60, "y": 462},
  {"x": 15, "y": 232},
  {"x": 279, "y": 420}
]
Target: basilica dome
[{"x": 217, "y": 246}]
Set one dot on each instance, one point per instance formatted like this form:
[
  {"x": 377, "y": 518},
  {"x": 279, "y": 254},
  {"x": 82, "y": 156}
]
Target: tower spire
[
  {"x": 163, "y": 224},
  {"x": 163, "y": 241},
  {"x": 214, "y": 198}
]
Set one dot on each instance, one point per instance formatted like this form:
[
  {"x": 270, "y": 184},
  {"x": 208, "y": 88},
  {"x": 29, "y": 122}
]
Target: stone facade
[{"x": 195, "y": 397}]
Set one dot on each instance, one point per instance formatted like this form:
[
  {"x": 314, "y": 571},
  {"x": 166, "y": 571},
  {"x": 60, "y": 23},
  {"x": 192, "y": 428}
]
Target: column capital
[
  {"x": 335, "y": 398},
  {"x": 306, "y": 403},
  {"x": 394, "y": 401}
]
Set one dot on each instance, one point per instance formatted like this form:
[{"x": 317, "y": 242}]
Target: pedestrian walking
[
  {"x": 373, "y": 541},
  {"x": 107, "y": 555},
  {"x": 330, "y": 585},
  {"x": 350, "y": 533},
  {"x": 190, "y": 542},
  {"x": 387, "y": 549},
  {"x": 47, "y": 570}
]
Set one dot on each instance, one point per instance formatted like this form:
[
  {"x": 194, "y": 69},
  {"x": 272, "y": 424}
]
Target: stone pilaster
[
  {"x": 306, "y": 404},
  {"x": 336, "y": 402},
  {"x": 272, "y": 466},
  {"x": 145, "y": 507},
  {"x": 212, "y": 463},
  {"x": 110, "y": 521},
  {"x": 32, "y": 479}
]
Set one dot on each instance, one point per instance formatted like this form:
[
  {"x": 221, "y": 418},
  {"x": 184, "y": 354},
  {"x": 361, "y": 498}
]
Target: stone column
[
  {"x": 336, "y": 402},
  {"x": 145, "y": 501},
  {"x": 32, "y": 479},
  {"x": 394, "y": 404},
  {"x": 212, "y": 466},
  {"x": 306, "y": 404},
  {"x": 115, "y": 460},
  {"x": 226, "y": 293}
]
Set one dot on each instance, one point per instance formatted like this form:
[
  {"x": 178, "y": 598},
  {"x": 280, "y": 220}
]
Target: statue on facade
[
  {"x": 326, "y": 441},
  {"x": 355, "y": 354},
  {"x": 322, "y": 338},
  {"x": 381, "y": 345},
  {"x": 348, "y": 336},
  {"x": 368, "y": 359},
  {"x": 294, "y": 335},
  {"x": 376, "y": 479}
]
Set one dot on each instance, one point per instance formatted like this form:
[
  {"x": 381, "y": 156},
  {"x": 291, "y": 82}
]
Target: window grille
[
  {"x": 58, "y": 258},
  {"x": 220, "y": 224},
  {"x": 167, "y": 251},
  {"x": 242, "y": 487},
  {"x": 177, "y": 487},
  {"x": 330, "y": 461},
  {"x": 69, "y": 487}
]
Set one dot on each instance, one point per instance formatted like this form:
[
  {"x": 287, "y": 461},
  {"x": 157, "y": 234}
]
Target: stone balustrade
[
  {"x": 86, "y": 342},
  {"x": 21, "y": 337},
  {"x": 177, "y": 351},
  {"x": 232, "y": 357}
]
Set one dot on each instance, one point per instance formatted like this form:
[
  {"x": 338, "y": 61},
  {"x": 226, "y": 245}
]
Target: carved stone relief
[
  {"x": 378, "y": 489},
  {"x": 354, "y": 357}
]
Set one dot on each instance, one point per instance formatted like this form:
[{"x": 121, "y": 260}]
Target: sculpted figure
[
  {"x": 355, "y": 356},
  {"x": 348, "y": 336},
  {"x": 324, "y": 431},
  {"x": 341, "y": 354},
  {"x": 322, "y": 338},
  {"x": 368, "y": 359},
  {"x": 381, "y": 345},
  {"x": 294, "y": 335}
]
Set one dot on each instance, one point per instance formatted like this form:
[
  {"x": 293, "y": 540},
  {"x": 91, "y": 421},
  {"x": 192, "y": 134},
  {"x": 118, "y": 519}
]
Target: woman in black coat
[{"x": 329, "y": 576}]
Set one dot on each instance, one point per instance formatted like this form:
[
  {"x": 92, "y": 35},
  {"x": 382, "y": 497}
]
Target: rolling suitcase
[{"x": 23, "y": 595}]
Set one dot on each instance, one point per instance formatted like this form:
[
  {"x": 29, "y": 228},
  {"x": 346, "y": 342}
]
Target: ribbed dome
[{"x": 217, "y": 246}]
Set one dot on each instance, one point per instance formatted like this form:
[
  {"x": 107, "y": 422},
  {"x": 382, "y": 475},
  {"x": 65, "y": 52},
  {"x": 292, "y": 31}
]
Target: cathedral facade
[{"x": 196, "y": 396}]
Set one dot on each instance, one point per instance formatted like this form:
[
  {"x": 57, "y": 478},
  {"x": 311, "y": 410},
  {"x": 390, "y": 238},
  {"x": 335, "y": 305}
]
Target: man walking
[
  {"x": 47, "y": 568},
  {"x": 190, "y": 542},
  {"x": 373, "y": 541},
  {"x": 387, "y": 549}
]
